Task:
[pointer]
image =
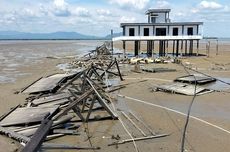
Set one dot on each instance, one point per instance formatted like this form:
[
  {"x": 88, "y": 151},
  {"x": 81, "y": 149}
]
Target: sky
[{"x": 98, "y": 17}]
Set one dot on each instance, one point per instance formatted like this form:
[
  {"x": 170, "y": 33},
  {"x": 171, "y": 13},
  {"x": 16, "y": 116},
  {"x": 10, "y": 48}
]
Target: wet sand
[{"x": 213, "y": 108}]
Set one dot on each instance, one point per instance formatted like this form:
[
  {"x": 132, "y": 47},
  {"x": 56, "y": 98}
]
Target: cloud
[
  {"x": 210, "y": 5},
  {"x": 60, "y": 3},
  {"x": 125, "y": 19},
  {"x": 136, "y": 4},
  {"x": 61, "y": 8},
  {"x": 162, "y": 4},
  {"x": 103, "y": 12},
  {"x": 80, "y": 11}
]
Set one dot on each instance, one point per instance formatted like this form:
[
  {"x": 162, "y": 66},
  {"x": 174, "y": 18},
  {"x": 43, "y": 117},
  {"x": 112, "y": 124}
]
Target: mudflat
[{"x": 208, "y": 128}]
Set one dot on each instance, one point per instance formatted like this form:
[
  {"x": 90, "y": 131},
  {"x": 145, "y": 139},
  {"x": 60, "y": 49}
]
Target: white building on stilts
[{"x": 159, "y": 29}]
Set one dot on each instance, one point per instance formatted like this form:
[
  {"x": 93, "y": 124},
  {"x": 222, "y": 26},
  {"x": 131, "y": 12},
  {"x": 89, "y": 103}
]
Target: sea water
[{"x": 18, "y": 53}]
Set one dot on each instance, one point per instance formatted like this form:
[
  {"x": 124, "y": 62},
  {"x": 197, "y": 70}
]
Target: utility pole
[{"x": 112, "y": 41}]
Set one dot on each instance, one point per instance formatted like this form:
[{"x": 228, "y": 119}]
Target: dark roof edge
[
  {"x": 157, "y": 11},
  {"x": 162, "y": 24}
]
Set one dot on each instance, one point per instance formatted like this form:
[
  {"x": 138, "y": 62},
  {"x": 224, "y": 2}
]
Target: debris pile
[
  {"x": 60, "y": 103},
  {"x": 55, "y": 101},
  {"x": 188, "y": 85}
]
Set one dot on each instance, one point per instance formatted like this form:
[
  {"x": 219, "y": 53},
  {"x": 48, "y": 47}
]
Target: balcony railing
[{"x": 143, "y": 38}]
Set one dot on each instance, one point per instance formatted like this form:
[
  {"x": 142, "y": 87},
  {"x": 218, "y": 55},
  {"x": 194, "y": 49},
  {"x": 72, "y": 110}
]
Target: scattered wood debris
[
  {"x": 185, "y": 89},
  {"x": 157, "y": 70},
  {"x": 195, "y": 79},
  {"x": 47, "y": 84},
  {"x": 58, "y": 103}
]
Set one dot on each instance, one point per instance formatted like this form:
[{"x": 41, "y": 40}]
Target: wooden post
[
  {"x": 136, "y": 48},
  {"x": 160, "y": 47},
  {"x": 149, "y": 48},
  {"x": 112, "y": 41},
  {"x": 197, "y": 48},
  {"x": 190, "y": 47},
  {"x": 217, "y": 47},
  {"x": 208, "y": 48},
  {"x": 124, "y": 49},
  {"x": 177, "y": 47},
  {"x": 181, "y": 49},
  {"x": 167, "y": 50},
  {"x": 139, "y": 47},
  {"x": 152, "y": 49},
  {"x": 186, "y": 47},
  {"x": 173, "y": 47}
]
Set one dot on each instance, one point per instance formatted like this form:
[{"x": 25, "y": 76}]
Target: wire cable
[
  {"x": 188, "y": 113},
  {"x": 122, "y": 123}
]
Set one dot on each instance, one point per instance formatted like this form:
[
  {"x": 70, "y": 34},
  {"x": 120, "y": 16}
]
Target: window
[
  {"x": 160, "y": 31},
  {"x": 190, "y": 31},
  {"x": 153, "y": 19},
  {"x": 131, "y": 31},
  {"x": 175, "y": 31},
  {"x": 146, "y": 31}
]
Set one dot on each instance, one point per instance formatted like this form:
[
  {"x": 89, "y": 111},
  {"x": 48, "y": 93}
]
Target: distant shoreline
[{"x": 49, "y": 39}]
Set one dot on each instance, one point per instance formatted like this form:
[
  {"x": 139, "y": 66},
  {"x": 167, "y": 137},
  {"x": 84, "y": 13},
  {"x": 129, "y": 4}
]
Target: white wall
[
  {"x": 194, "y": 30},
  {"x": 160, "y": 18},
  {"x": 179, "y": 30},
  {"x": 170, "y": 30},
  {"x": 127, "y": 30},
  {"x": 150, "y": 30}
]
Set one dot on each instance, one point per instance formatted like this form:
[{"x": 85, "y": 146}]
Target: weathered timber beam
[
  {"x": 138, "y": 139},
  {"x": 74, "y": 103},
  {"x": 39, "y": 136},
  {"x": 63, "y": 146}
]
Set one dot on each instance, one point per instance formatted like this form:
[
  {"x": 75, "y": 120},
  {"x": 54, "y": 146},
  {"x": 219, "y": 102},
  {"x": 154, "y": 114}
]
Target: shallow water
[
  {"x": 15, "y": 54},
  {"x": 218, "y": 85}
]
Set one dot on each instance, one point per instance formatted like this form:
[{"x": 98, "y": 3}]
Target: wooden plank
[
  {"x": 47, "y": 84},
  {"x": 36, "y": 141},
  {"x": 138, "y": 139},
  {"x": 14, "y": 135},
  {"x": 6, "y": 114},
  {"x": 184, "y": 89},
  {"x": 51, "y": 98},
  {"x": 53, "y": 103},
  {"x": 27, "y": 115},
  {"x": 66, "y": 132},
  {"x": 195, "y": 78},
  {"x": 155, "y": 70},
  {"x": 65, "y": 147}
]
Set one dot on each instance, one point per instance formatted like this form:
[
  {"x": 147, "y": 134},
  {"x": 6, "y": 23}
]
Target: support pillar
[
  {"x": 197, "y": 48},
  {"x": 190, "y": 47},
  {"x": 186, "y": 47},
  {"x": 161, "y": 47},
  {"x": 217, "y": 47},
  {"x": 167, "y": 47},
  {"x": 177, "y": 48},
  {"x": 149, "y": 48},
  {"x": 153, "y": 48},
  {"x": 181, "y": 49},
  {"x": 124, "y": 49},
  {"x": 173, "y": 47},
  {"x": 136, "y": 48}
]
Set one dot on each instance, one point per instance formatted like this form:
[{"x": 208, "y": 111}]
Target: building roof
[
  {"x": 157, "y": 11},
  {"x": 162, "y": 24}
]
